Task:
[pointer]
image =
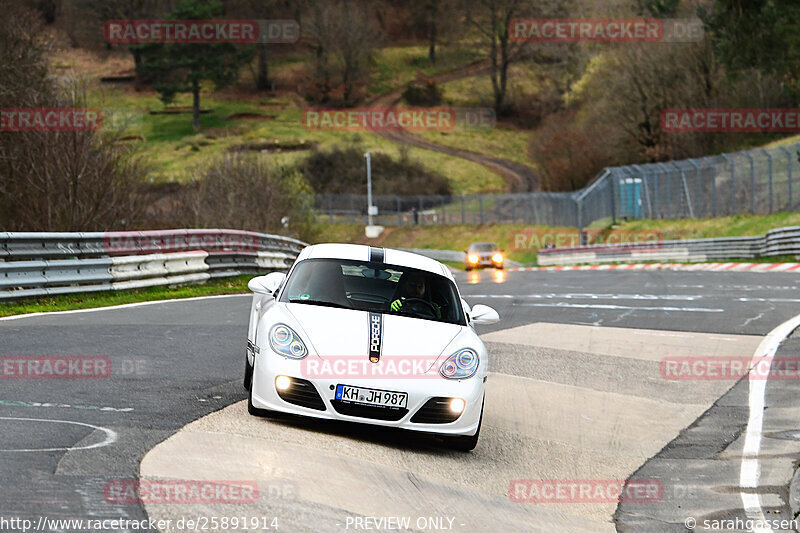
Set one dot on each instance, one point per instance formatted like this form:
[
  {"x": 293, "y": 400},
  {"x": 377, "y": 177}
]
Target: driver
[{"x": 414, "y": 286}]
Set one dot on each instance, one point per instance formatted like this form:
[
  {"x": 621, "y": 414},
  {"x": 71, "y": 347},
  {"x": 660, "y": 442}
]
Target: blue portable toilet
[{"x": 630, "y": 194}]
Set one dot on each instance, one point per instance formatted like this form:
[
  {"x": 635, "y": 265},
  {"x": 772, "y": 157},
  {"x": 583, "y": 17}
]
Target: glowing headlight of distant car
[
  {"x": 461, "y": 365},
  {"x": 286, "y": 342},
  {"x": 472, "y": 258},
  {"x": 497, "y": 258}
]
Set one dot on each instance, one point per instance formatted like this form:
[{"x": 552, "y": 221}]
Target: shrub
[
  {"x": 343, "y": 171},
  {"x": 423, "y": 95},
  {"x": 242, "y": 191}
]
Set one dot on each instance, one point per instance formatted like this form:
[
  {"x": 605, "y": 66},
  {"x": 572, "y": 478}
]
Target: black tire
[
  {"x": 248, "y": 374},
  {"x": 467, "y": 269},
  {"x": 466, "y": 443},
  {"x": 252, "y": 409}
]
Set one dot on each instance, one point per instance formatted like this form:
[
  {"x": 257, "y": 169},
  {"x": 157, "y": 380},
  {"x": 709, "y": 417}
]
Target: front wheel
[
  {"x": 248, "y": 373},
  {"x": 466, "y": 443},
  {"x": 252, "y": 409}
]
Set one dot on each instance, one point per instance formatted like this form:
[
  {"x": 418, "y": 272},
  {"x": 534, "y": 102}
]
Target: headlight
[
  {"x": 461, "y": 365},
  {"x": 473, "y": 258},
  {"x": 286, "y": 342},
  {"x": 497, "y": 258}
]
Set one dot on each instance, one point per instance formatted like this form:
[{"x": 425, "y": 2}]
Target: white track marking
[
  {"x": 617, "y": 307},
  {"x": 122, "y": 306},
  {"x": 592, "y": 296},
  {"x": 750, "y": 470},
  {"x": 111, "y": 436}
]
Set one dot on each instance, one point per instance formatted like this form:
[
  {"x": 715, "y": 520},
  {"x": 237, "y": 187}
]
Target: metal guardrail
[
  {"x": 776, "y": 242},
  {"x": 40, "y": 264}
]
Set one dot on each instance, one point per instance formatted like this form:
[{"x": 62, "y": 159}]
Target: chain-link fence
[{"x": 757, "y": 181}]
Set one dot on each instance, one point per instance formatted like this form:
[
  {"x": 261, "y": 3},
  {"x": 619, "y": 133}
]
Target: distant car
[
  {"x": 361, "y": 311},
  {"x": 484, "y": 254}
]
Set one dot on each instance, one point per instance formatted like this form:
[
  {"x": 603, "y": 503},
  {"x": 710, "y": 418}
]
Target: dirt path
[{"x": 519, "y": 177}]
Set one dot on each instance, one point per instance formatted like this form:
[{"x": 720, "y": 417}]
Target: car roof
[
  {"x": 482, "y": 243},
  {"x": 360, "y": 252}
]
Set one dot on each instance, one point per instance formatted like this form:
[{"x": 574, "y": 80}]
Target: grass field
[
  {"x": 460, "y": 237},
  {"x": 68, "y": 302},
  {"x": 175, "y": 150}
]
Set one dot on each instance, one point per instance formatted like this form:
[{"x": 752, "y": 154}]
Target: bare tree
[
  {"x": 260, "y": 10},
  {"x": 491, "y": 18},
  {"x": 242, "y": 191},
  {"x": 344, "y": 39},
  {"x": 56, "y": 180}
]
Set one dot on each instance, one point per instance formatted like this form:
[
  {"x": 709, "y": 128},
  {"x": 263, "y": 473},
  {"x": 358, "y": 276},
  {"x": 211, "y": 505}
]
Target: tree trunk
[
  {"x": 262, "y": 80},
  {"x": 196, "y": 105},
  {"x": 432, "y": 42}
]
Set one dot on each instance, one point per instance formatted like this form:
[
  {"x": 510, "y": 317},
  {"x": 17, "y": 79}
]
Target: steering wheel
[{"x": 413, "y": 303}]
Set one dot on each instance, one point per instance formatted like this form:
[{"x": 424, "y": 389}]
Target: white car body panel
[{"x": 331, "y": 332}]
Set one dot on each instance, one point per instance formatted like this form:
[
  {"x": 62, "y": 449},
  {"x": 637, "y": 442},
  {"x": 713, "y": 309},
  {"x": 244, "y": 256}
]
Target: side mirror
[
  {"x": 466, "y": 306},
  {"x": 266, "y": 284},
  {"x": 483, "y": 314}
]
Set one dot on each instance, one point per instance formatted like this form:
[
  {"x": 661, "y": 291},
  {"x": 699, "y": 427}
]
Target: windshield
[
  {"x": 484, "y": 247},
  {"x": 376, "y": 287}
]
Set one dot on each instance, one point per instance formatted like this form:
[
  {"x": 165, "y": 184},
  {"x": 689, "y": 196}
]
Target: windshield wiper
[{"x": 318, "y": 302}]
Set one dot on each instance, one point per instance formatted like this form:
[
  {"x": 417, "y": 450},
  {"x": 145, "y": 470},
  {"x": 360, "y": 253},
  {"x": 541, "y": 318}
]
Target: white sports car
[{"x": 368, "y": 335}]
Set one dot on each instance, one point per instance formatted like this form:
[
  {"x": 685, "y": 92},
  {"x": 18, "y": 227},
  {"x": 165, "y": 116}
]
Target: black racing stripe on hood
[
  {"x": 375, "y": 336},
  {"x": 376, "y": 255}
]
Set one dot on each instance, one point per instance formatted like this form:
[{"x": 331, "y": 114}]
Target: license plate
[{"x": 381, "y": 398}]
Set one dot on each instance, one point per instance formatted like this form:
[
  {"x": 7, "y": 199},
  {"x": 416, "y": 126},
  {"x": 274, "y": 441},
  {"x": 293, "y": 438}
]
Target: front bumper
[
  {"x": 485, "y": 262},
  {"x": 420, "y": 392}
]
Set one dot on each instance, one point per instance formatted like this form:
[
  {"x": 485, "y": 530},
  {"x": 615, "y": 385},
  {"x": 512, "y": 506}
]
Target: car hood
[{"x": 332, "y": 331}]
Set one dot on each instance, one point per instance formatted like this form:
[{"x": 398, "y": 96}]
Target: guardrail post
[
  {"x": 788, "y": 173},
  {"x": 645, "y": 188},
  {"x": 685, "y": 189},
  {"x": 513, "y": 210},
  {"x": 665, "y": 169},
  {"x": 699, "y": 194},
  {"x": 444, "y": 212},
  {"x": 613, "y": 204},
  {"x": 399, "y": 210},
  {"x": 769, "y": 160},
  {"x": 733, "y": 180},
  {"x": 463, "y": 212},
  {"x": 713, "y": 185},
  {"x": 752, "y": 183},
  {"x": 480, "y": 206},
  {"x": 420, "y": 212},
  {"x": 330, "y": 209},
  {"x": 655, "y": 192}
]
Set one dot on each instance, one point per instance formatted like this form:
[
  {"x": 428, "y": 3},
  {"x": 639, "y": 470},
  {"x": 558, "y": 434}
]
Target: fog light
[
  {"x": 457, "y": 405},
  {"x": 283, "y": 382}
]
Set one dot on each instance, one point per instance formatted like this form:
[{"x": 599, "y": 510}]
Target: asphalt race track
[{"x": 577, "y": 393}]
